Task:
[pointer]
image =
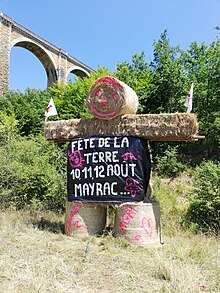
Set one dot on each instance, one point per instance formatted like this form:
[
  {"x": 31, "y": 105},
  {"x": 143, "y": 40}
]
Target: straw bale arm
[{"x": 157, "y": 127}]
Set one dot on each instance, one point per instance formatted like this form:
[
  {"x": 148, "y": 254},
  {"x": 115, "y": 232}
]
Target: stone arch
[
  {"x": 55, "y": 61},
  {"x": 78, "y": 72},
  {"x": 42, "y": 55}
]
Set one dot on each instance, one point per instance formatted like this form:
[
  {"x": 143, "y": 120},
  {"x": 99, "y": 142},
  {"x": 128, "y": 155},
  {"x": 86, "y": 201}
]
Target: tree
[
  {"x": 202, "y": 66},
  {"x": 138, "y": 76},
  {"x": 28, "y": 108},
  {"x": 168, "y": 82},
  {"x": 205, "y": 197}
]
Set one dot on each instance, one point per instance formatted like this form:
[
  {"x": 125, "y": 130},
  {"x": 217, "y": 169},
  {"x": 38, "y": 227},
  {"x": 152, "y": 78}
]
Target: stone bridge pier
[{"x": 57, "y": 63}]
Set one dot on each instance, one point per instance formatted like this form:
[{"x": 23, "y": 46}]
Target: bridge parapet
[{"x": 56, "y": 62}]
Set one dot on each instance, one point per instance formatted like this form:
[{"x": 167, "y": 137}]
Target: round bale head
[{"x": 109, "y": 97}]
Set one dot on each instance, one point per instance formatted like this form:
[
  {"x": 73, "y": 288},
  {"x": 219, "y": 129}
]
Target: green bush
[
  {"x": 8, "y": 127},
  {"x": 32, "y": 171},
  {"x": 204, "y": 209},
  {"x": 28, "y": 108},
  {"x": 169, "y": 164}
]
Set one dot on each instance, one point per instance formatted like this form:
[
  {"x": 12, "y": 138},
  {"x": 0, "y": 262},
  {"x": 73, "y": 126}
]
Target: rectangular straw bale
[{"x": 158, "y": 127}]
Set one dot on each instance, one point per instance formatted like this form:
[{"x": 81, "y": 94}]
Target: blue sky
[{"x": 105, "y": 32}]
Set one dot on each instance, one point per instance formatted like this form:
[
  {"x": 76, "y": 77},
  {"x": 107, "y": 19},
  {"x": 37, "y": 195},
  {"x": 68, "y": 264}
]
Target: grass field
[{"x": 36, "y": 256}]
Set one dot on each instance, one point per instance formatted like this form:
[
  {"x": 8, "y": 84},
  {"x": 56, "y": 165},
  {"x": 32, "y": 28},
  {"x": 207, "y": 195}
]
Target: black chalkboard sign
[{"x": 108, "y": 169}]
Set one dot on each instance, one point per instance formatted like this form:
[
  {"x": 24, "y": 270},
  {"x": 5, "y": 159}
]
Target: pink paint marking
[
  {"x": 132, "y": 186},
  {"x": 104, "y": 102},
  {"x": 111, "y": 80},
  {"x": 98, "y": 92},
  {"x": 75, "y": 209},
  {"x": 79, "y": 226},
  {"x": 129, "y": 156},
  {"x": 148, "y": 225},
  {"x": 116, "y": 97},
  {"x": 102, "y": 114},
  {"x": 138, "y": 238},
  {"x": 75, "y": 158},
  {"x": 122, "y": 226},
  {"x": 126, "y": 218},
  {"x": 131, "y": 212},
  {"x": 106, "y": 98}
]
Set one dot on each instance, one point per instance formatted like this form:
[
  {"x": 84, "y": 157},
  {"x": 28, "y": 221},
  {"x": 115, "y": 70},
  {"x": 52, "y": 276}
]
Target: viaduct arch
[{"x": 57, "y": 63}]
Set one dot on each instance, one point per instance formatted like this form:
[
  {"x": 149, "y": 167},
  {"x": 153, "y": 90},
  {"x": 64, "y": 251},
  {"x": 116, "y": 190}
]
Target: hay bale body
[
  {"x": 158, "y": 127},
  {"x": 109, "y": 97},
  {"x": 139, "y": 223},
  {"x": 84, "y": 219}
]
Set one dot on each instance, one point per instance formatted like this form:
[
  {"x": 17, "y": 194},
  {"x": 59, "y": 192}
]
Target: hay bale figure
[
  {"x": 98, "y": 171},
  {"x": 109, "y": 97}
]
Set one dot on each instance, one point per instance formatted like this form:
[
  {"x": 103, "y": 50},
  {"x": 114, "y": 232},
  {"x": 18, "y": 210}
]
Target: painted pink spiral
[{"x": 108, "y": 98}]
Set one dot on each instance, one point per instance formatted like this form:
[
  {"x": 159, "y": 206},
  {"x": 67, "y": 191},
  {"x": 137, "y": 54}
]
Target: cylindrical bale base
[
  {"x": 139, "y": 223},
  {"x": 84, "y": 218}
]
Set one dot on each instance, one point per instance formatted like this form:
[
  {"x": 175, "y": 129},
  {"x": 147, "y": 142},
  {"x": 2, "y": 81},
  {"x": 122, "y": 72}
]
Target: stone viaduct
[{"x": 57, "y": 63}]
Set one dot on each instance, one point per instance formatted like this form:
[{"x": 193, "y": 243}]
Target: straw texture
[
  {"x": 158, "y": 127},
  {"x": 109, "y": 97},
  {"x": 139, "y": 223},
  {"x": 84, "y": 218}
]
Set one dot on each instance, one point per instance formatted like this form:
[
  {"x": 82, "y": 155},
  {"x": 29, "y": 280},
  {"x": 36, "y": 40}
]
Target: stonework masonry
[{"x": 56, "y": 62}]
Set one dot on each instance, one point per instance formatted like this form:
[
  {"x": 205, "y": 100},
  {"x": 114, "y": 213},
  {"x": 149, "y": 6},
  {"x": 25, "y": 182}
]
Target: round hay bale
[
  {"x": 84, "y": 218},
  {"x": 109, "y": 97},
  {"x": 139, "y": 223}
]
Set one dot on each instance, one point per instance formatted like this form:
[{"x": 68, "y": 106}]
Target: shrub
[
  {"x": 28, "y": 108},
  {"x": 8, "y": 128},
  {"x": 169, "y": 164},
  {"x": 32, "y": 171},
  {"x": 205, "y": 197}
]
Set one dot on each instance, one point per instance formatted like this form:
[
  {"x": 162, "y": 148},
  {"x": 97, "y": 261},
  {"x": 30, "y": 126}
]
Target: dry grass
[{"x": 35, "y": 256}]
